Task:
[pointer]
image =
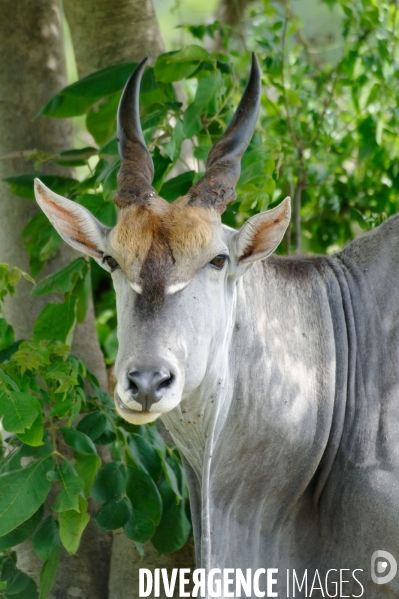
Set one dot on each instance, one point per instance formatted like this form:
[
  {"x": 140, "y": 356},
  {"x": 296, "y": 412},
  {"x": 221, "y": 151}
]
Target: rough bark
[
  {"x": 125, "y": 564},
  {"x": 33, "y": 69},
  {"x": 231, "y": 12},
  {"x": 105, "y": 33}
]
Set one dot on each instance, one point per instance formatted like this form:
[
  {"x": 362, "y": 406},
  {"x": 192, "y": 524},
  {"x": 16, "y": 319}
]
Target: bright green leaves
[
  {"x": 9, "y": 277},
  {"x": 205, "y": 102},
  {"x": 19, "y": 411},
  {"x": 22, "y": 492},
  {"x": 175, "y": 66},
  {"x": 72, "y": 524}
]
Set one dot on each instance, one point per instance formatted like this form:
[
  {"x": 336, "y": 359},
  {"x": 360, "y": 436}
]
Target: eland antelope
[{"x": 278, "y": 379}]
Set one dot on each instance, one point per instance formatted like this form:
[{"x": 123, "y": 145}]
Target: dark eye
[
  {"x": 112, "y": 263},
  {"x": 218, "y": 261}
]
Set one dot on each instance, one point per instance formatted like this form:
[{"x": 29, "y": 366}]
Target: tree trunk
[
  {"x": 231, "y": 12},
  {"x": 105, "y": 33},
  {"x": 125, "y": 564},
  {"x": 33, "y": 69}
]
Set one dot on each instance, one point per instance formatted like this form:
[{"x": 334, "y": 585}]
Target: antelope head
[{"x": 174, "y": 265}]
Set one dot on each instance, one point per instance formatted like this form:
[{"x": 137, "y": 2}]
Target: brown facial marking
[{"x": 151, "y": 241}]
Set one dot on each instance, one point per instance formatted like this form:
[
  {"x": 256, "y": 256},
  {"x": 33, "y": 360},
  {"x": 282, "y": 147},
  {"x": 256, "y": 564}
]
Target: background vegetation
[{"x": 327, "y": 136}]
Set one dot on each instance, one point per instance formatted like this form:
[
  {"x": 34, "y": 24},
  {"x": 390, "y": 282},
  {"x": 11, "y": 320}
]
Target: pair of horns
[{"x": 217, "y": 187}]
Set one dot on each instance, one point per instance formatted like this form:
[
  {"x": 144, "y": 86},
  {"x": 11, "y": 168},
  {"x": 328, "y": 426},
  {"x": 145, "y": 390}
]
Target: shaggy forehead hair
[{"x": 155, "y": 242}]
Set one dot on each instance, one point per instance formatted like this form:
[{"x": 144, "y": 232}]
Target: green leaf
[
  {"x": 139, "y": 528},
  {"x": 192, "y": 123},
  {"x": 110, "y": 148},
  {"x": 189, "y": 53},
  {"x": 46, "y": 539},
  {"x": 101, "y": 119},
  {"x": 167, "y": 72},
  {"x": 8, "y": 381},
  {"x": 162, "y": 164},
  {"x": 34, "y": 434},
  {"x": 101, "y": 209},
  {"x": 7, "y": 353},
  {"x": 143, "y": 494},
  {"x": 171, "y": 479},
  {"x": 32, "y": 356},
  {"x": 6, "y": 334},
  {"x": 17, "y": 582},
  {"x": 145, "y": 456},
  {"x": 40, "y": 240},
  {"x": 48, "y": 573},
  {"x": 78, "y": 157},
  {"x": 206, "y": 93},
  {"x": 72, "y": 486},
  {"x": 110, "y": 482},
  {"x": 29, "y": 592},
  {"x": 177, "y": 187},
  {"x": 63, "y": 280},
  {"x": 77, "y": 98},
  {"x": 93, "y": 425},
  {"x": 19, "y": 410},
  {"x": 173, "y": 147},
  {"x": 78, "y": 441},
  {"x": 56, "y": 321},
  {"x": 114, "y": 513},
  {"x": 87, "y": 466},
  {"x": 22, "y": 532},
  {"x": 174, "y": 528},
  {"x": 22, "y": 492},
  {"x": 23, "y": 185},
  {"x": 72, "y": 525}
]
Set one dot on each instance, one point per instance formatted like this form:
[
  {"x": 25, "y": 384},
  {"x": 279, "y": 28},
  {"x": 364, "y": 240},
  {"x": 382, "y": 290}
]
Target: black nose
[{"x": 149, "y": 386}]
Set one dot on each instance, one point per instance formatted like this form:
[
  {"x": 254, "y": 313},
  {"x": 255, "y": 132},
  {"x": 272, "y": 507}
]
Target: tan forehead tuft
[{"x": 186, "y": 230}]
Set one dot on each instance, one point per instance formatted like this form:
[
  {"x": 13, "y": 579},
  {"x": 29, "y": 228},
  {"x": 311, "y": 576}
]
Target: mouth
[
  {"x": 131, "y": 415},
  {"x": 123, "y": 406}
]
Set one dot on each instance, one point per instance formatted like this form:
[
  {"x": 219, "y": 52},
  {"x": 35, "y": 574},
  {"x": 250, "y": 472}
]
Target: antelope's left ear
[
  {"x": 262, "y": 233},
  {"x": 73, "y": 222}
]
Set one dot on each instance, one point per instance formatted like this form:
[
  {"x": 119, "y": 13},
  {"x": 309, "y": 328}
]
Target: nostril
[
  {"x": 166, "y": 383},
  {"x": 132, "y": 376},
  {"x": 133, "y": 388}
]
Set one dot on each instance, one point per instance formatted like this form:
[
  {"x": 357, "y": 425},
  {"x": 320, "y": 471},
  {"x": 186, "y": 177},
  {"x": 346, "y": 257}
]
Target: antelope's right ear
[{"x": 73, "y": 222}]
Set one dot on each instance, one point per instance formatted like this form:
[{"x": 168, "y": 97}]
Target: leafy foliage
[
  {"x": 47, "y": 452},
  {"x": 327, "y": 136}
]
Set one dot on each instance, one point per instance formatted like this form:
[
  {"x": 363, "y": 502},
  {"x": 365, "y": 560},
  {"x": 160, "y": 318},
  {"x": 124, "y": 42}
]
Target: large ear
[
  {"x": 262, "y": 233},
  {"x": 73, "y": 222}
]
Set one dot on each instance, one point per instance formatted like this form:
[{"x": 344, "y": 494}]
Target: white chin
[{"x": 137, "y": 417}]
